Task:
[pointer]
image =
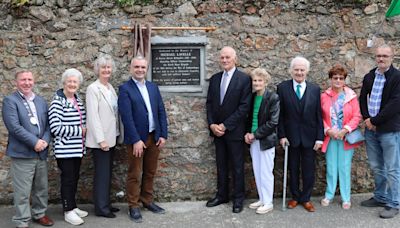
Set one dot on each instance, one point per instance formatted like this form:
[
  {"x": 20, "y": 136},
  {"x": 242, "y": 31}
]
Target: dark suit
[
  {"x": 134, "y": 115},
  {"x": 232, "y": 113},
  {"x": 300, "y": 122}
]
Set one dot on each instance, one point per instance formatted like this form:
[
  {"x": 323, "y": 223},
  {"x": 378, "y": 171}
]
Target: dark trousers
[
  {"x": 102, "y": 161},
  {"x": 69, "y": 181},
  {"x": 304, "y": 157},
  {"x": 230, "y": 152},
  {"x": 141, "y": 172}
]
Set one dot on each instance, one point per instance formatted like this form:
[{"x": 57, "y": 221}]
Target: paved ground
[{"x": 195, "y": 214}]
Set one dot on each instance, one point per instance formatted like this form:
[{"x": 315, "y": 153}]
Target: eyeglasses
[
  {"x": 382, "y": 56},
  {"x": 338, "y": 78}
]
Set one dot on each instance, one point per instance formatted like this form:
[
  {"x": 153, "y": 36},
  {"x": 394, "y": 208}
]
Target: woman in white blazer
[{"x": 102, "y": 132}]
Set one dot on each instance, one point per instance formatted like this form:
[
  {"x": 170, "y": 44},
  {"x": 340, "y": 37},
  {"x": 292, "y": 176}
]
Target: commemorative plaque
[
  {"x": 178, "y": 63},
  {"x": 176, "y": 66}
]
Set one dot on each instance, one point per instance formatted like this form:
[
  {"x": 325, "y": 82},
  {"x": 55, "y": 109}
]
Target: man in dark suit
[
  {"x": 145, "y": 128},
  {"x": 228, "y": 102},
  {"x": 301, "y": 127},
  {"x": 25, "y": 117}
]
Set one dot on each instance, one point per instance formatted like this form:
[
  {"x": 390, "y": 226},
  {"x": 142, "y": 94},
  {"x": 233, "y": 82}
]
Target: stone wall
[{"x": 48, "y": 37}]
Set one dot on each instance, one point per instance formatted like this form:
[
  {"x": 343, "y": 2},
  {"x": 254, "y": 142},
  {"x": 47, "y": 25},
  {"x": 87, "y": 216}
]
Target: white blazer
[{"x": 102, "y": 119}]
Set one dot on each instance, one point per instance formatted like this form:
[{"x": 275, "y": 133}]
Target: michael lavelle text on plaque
[{"x": 176, "y": 66}]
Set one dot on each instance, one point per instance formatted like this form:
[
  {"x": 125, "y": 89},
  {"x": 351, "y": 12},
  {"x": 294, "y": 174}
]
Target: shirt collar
[
  {"x": 139, "y": 83},
  {"x": 303, "y": 84},
  {"x": 27, "y": 98},
  {"x": 378, "y": 72},
  {"x": 230, "y": 72}
]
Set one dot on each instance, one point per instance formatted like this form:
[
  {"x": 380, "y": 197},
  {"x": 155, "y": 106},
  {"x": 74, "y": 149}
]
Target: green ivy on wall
[{"x": 19, "y": 2}]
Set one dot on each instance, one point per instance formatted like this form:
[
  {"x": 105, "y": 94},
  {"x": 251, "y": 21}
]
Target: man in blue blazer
[
  {"x": 228, "y": 102},
  {"x": 301, "y": 127},
  {"x": 25, "y": 117},
  {"x": 145, "y": 132}
]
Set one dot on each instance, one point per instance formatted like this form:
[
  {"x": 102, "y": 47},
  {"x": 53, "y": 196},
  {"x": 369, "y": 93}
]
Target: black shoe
[
  {"x": 154, "y": 208},
  {"x": 215, "y": 202},
  {"x": 114, "y": 209},
  {"x": 372, "y": 203},
  {"x": 134, "y": 214},
  {"x": 389, "y": 212},
  {"x": 109, "y": 215},
  {"x": 237, "y": 207}
]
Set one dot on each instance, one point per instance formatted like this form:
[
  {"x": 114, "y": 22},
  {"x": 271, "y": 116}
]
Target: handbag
[{"x": 355, "y": 136}]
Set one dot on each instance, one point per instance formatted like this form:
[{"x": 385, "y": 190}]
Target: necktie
[
  {"x": 298, "y": 91},
  {"x": 223, "y": 86}
]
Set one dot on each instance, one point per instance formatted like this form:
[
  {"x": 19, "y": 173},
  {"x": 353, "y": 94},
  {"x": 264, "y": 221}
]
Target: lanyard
[{"x": 76, "y": 105}]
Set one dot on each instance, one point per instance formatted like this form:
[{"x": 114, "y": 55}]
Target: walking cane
[{"x": 285, "y": 177}]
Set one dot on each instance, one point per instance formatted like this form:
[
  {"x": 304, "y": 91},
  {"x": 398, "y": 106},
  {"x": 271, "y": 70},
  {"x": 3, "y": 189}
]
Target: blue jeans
[{"x": 383, "y": 150}]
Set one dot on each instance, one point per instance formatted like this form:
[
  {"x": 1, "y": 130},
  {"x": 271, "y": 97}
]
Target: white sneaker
[
  {"x": 265, "y": 209},
  {"x": 73, "y": 218},
  {"x": 255, "y": 205},
  {"x": 325, "y": 202},
  {"x": 80, "y": 213}
]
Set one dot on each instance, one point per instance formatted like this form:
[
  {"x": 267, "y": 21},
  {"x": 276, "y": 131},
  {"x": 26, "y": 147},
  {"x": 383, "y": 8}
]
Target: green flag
[{"x": 394, "y": 9}]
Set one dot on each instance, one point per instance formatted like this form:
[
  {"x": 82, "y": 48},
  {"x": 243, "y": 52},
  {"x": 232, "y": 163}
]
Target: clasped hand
[
  {"x": 249, "y": 138},
  {"x": 336, "y": 133},
  {"x": 218, "y": 129},
  {"x": 40, "y": 145}
]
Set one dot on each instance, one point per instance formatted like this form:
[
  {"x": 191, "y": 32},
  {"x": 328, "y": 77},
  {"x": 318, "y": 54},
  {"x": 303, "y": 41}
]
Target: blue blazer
[
  {"x": 22, "y": 135},
  {"x": 134, "y": 114},
  {"x": 300, "y": 121}
]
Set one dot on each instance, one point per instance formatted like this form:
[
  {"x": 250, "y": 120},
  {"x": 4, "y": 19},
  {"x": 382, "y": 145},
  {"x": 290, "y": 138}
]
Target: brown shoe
[
  {"x": 292, "y": 204},
  {"x": 309, "y": 206},
  {"x": 44, "y": 221}
]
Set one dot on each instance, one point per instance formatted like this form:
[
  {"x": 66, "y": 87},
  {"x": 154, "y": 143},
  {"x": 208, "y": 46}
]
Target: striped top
[{"x": 66, "y": 122}]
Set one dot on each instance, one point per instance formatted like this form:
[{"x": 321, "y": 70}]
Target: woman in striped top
[{"x": 67, "y": 119}]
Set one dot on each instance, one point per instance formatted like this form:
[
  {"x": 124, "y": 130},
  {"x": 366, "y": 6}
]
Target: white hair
[
  {"x": 299, "y": 59},
  {"x": 229, "y": 49},
  {"x": 72, "y": 72},
  {"x": 260, "y": 72},
  {"x": 101, "y": 61}
]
